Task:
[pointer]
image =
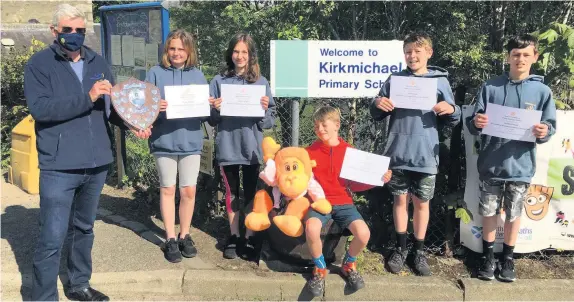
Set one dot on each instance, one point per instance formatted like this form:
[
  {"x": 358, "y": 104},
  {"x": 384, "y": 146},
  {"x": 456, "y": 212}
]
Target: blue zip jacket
[
  {"x": 72, "y": 132},
  {"x": 183, "y": 136},
  {"x": 504, "y": 159},
  {"x": 413, "y": 142},
  {"x": 239, "y": 139}
]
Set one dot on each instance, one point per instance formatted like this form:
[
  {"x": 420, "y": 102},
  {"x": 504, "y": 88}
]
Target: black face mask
[{"x": 71, "y": 41}]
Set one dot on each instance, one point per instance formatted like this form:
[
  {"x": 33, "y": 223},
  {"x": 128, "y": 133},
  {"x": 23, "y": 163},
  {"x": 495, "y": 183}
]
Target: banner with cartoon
[{"x": 548, "y": 216}]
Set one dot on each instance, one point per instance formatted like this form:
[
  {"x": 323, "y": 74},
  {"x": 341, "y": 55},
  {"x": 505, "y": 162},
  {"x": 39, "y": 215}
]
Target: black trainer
[
  {"x": 171, "y": 251},
  {"x": 486, "y": 269},
  {"x": 507, "y": 272},
  {"x": 230, "y": 249},
  {"x": 187, "y": 246},
  {"x": 316, "y": 284},
  {"x": 421, "y": 266},
  {"x": 397, "y": 260},
  {"x": 249, "y": 250},
  {"x": 353, "y": 277}
]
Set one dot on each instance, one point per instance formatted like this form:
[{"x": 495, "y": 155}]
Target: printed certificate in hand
[
  {"x": 187, "y": 101},
  {"x": 511, "y": 123},
  {"x": 242, "y": 100},
  {"x": 413, "y": 92},
  {"x": 364, "y": 167}
]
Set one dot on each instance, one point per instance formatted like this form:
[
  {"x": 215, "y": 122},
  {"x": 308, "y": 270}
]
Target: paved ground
[{"x": 128, "y": 265}]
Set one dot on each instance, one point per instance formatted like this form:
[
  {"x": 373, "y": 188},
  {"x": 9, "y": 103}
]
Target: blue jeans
[{"x": 68, "y": 205}]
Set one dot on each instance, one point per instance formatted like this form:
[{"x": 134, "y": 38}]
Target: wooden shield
[{"x": 136, "y": 102}]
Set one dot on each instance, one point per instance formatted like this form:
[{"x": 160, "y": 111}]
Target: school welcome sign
[
  {"x": 333, "y": 69},
  {"x": 548, "y": 216}
]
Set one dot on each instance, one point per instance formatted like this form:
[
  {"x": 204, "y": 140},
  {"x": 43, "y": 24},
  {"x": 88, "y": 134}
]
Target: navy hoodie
[
  {"x": 183, "y": 136},
  {"x": 72, "y": 132},
  {"x": 412, "y": 143},
  {"x": 504, "y": 159},
  {"x": 239, "y": 139}
]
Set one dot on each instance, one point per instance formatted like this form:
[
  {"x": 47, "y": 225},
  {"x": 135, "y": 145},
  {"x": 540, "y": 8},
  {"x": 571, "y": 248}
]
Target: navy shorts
[{"x": 342, "y": 215}]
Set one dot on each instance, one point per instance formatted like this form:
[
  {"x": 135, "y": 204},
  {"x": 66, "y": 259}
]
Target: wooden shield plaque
[{"x": 136, "y": 102}]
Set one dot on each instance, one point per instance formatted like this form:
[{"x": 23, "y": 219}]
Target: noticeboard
[{"x": 132, "y": 37}]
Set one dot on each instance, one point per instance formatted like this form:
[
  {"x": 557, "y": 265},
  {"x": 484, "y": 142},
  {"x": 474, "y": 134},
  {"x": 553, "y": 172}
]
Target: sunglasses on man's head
[{"x": 67, "y": 30}]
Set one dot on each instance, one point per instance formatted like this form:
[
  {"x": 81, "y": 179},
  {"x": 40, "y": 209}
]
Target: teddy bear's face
[{"x": 292, "y": 177}]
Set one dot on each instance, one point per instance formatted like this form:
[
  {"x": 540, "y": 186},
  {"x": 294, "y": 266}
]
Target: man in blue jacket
[{"x": 65, "y": 86}]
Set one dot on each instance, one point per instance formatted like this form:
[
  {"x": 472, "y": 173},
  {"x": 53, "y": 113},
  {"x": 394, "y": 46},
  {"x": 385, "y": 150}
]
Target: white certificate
[
  {"x": 511, "y": 123},
  {"x": 116, "y": 48},
  {"x": 154, "y": 25},
  {"x": 128, "y": 50},
  {"x": 364, "y": 167},
  {"x": 242, "y": 100},
  {"x": 151, "y": 55},
  {"x": 139, "y": 51},
  {"x": 187, "y": 101},
  {"x": 413, "y": 92}
]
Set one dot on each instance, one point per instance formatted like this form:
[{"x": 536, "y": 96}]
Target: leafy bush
[
  {"x": 140, "y": 164},
  {"x": 14, "y": 107},
  {"x": 556, "y": 62}
]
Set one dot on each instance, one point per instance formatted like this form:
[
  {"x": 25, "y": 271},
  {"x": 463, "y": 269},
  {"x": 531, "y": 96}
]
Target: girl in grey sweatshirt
[
  {"x": 177, "y": 143},
  {"x": 238, "y": 139}
]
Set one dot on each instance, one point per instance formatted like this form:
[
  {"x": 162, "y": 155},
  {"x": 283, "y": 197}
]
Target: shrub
[{"x": 14, "y": 107}]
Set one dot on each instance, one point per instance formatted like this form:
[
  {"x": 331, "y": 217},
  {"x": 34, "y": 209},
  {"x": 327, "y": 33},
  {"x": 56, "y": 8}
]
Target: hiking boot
[
  {"x": 230, "y": 249},
  {"x": 316, "y": 284},
  {"x": 187, "y": 246},
  {"x": 486, "y": 269},
  {"x": 249, "y": 250},
  {"x": 507, "y": 272},
  {"x": 171, "y": 251},
  {"x": 397, "y": 260},
  {"x": 421, "y": 266},
  {"x": 352, "y": 275}
]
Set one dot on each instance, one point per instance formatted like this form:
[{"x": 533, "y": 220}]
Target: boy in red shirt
[{"x": 329, "y": 151}]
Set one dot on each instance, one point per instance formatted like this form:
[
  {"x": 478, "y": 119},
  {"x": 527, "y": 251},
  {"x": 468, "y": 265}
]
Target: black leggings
[{"x": 231, "y": 179}]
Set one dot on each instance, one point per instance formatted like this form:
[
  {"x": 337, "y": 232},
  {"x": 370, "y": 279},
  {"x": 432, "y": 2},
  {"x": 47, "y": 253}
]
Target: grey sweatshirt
[
  {"x": 182, "y": 136},
  {"x": 238, "y": 140},
  {"x": 505, "y": 159},
  {"x": 413, "y": 142}
]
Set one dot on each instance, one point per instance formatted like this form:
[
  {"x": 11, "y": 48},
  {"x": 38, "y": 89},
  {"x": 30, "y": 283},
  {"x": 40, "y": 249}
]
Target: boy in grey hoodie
[
  {"x": 413, "y": 147},
  {"x": 238, "y": 140},
  {"x": 505, "y": 167}
]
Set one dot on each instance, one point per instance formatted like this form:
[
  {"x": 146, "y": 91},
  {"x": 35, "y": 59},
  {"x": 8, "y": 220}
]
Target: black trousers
[{"x": 249, "y": 181}]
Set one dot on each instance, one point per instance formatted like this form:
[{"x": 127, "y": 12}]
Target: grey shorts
[
  {"x": 496, "y": 193},
  {"x": 419, "y": 184},
  {"x": 169, "y": 166}
]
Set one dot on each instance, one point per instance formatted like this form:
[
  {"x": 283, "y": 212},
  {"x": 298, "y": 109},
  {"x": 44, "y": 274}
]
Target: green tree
[{"x": 556, "y": 61}]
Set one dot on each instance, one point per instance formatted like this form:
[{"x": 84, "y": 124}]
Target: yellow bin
[{"x": 23, "y": 170}]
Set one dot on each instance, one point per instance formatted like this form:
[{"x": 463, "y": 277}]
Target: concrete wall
[
  {"x": 22, "y": 12},
  {"x": 24, "y": 20}
]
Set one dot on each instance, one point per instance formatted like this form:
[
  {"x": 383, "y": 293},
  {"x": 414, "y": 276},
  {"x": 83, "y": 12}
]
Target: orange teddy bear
[{"x": 290, "y": 171}]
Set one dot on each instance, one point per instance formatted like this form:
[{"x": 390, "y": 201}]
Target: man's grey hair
[{"x": 67, "y": 11}]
